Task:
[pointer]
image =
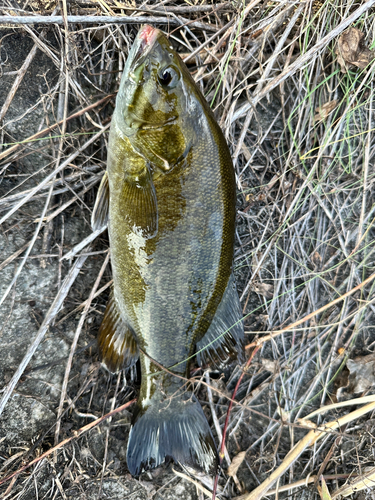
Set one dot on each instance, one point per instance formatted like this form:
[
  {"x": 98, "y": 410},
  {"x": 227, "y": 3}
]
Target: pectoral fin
[
  {"x": 117, "y": 346},
  {"x": 224, "y": 338},
  {"x": 99, "y": 217},
  {"x": 141, "y": 204}
]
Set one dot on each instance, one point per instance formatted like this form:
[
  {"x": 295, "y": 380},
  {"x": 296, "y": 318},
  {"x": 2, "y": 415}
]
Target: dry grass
[{"x": 301, "y": 133}]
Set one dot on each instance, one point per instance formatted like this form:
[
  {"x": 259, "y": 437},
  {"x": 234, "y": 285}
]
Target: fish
[{"x": 168, "y": 196}]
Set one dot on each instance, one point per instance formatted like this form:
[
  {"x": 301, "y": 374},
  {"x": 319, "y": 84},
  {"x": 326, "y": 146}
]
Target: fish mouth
[
  {"x": 144, "y": 43},
  {"x": 146, "y": 39},
  {"x": 147, "y": 34}
]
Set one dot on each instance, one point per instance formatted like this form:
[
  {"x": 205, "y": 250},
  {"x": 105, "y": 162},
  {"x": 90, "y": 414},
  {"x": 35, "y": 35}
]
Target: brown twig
[
  {"x": 74, "y": 344},
  {"x": 202, "y": 382},
  {"x": 51, "y": 314},
  {"x": 207, "y": 42},
  {"x": 176, "y": 9},
  {"x": 49, "y": 177},
  {"x": 310, "y": 439},
  {"x": 76, "y": 435},
  {"x": 299, "y": 219},
  {"x": 45, "y": 131},
  {"x": 20, "y": 74},
  {"x": 29, "y": 20},
  {"x": 13, "y": 256},
  {"x": 222, "y": 446},
  {"x": 303, "y": 59},
  {"x": 260, "y": 341}
]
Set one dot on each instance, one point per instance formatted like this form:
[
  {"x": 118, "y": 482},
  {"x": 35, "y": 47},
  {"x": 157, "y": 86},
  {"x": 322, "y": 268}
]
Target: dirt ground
[{"x": 303, "y": 154}]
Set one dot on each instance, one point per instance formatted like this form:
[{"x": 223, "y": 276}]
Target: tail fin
[{"x": 171, "y": 428}]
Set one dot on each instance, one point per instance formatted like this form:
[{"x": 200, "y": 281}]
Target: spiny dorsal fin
[
  {"x": 117, "y": 346},
  {"x": 99, "y": 217},
  {"x": 228, "y": 318}
]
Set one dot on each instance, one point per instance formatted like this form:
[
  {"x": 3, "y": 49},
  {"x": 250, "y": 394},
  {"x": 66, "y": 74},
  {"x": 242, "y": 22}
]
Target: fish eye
[{"x": 168, "y": 77}]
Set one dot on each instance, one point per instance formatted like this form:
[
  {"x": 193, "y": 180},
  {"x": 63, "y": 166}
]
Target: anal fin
[
  {"x": 117, "y": 345},
  {"x": 224, "y": 340},
  {"x": 99, "y": 217}
]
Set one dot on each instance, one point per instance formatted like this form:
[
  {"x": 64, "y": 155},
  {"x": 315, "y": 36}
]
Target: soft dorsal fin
[
  {"x": 99, "y": 217},
  {"x": 228, "y": 318},
  {"x": 117, "y": 345}
]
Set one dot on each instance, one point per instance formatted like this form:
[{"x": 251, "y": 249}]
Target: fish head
[{"x": 156, "y": 105}]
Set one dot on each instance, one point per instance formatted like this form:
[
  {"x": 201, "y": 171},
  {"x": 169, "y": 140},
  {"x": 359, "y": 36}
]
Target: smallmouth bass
[{"x": 168, "y": 196}]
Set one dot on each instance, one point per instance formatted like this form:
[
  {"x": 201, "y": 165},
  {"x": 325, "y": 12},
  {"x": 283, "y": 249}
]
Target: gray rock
[
  {"x": 110, "y": 489},
  {"x": 24, "y": 418}
]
